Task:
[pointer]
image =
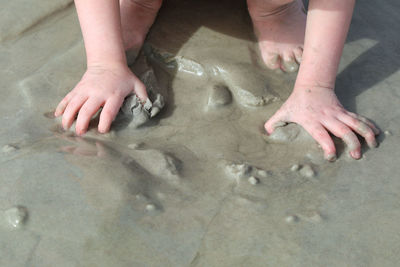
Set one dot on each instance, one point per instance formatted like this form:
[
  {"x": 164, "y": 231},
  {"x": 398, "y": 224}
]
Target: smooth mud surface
[{"x": 200, "y": 183}]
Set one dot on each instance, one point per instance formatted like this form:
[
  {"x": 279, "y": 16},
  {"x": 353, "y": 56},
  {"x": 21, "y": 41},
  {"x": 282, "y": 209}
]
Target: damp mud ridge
[{"x": 191, "y": 178}]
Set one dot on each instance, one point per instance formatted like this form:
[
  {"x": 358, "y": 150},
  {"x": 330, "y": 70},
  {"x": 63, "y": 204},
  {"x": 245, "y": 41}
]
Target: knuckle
[
  {"x": 354, "y": 121},
  {"x": 74, "y": 102},
  {"x": 118, "y": 94},
  {"x": 353, "y": 115},
  {"x": 344, "y": 130}
]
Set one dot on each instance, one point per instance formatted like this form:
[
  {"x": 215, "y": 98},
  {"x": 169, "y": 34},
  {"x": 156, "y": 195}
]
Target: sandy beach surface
[{"x": 200, "y": 184}]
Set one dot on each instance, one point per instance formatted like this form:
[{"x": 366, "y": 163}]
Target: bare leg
[
  {"x": 137, "y": 16},
  {"x": 280, "y": 29}
]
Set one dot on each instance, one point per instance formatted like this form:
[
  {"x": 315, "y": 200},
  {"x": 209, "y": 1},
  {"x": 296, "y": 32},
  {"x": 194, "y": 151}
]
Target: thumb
[
  {"x": 278, "y": 119},
  {"x": 140, "y": 91}
]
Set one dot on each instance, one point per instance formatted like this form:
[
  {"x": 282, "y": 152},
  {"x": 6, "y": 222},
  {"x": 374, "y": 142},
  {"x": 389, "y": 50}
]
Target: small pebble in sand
[
  {"x": 388, "y": 133},
  {"x": 253, "y": 180},
  {"x": 239, "y": 170},
  {"x": 262, "y": 173},
  {"x": 307, "y": 171},
  {"x": 244, "y": 169},
  {"x": 150, "y": 207},
  {"x": 16, "y": 216},
  {"x": 295, "y": 167},
  {"x": 9, "y": 148},
  {"x": 292, "y": 219},
  {"x": 315, "y": 217},
  {"x": 133, "y": 146}
]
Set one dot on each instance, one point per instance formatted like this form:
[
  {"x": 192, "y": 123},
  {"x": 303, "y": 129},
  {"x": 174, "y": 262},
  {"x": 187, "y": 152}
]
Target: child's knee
[
  {"x": 263, "y": 8},
  {"x": 148, "y": 4},
  {"x": 266, "y": 6}
]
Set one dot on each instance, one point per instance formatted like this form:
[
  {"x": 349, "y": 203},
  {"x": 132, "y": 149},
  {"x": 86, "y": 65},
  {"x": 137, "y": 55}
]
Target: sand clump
[
  {"x": 253, "y": 180},
  {"x": 244, "y": 170},
  {"x": 307, "y": 171},
  {"x": 9, "y": 148},
  {"x": 16, "y": 216}
]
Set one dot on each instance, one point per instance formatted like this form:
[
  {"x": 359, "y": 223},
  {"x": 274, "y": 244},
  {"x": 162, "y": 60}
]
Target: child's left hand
[{"x": 318, "y": 111}]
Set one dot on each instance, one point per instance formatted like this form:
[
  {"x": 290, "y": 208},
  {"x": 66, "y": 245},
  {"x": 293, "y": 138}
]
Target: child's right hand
[{"x": 100, "y": 86}]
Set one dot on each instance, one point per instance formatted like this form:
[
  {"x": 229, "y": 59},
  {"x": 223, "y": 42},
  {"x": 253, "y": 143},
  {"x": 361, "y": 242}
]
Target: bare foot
[
  {"x": 280, "y": 30},
  {"x": 137, "y": 16}
]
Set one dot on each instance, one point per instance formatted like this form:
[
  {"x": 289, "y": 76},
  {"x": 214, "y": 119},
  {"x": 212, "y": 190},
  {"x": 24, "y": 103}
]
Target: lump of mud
[
  {"x": 244, "y": 170},
  {"x": 139, "y": 113},
  {"x": 16, "y": 216},
  {"x": 219, "y": 95}
]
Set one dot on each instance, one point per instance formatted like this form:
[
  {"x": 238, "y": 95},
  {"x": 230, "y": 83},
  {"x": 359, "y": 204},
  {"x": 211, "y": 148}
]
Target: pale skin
[{"x": 286, "y": 37}]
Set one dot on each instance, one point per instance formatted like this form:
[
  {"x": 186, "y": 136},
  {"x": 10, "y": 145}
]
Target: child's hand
[
  {"x": 99, "y": 87},
  {"x": 318, "y": 110}
]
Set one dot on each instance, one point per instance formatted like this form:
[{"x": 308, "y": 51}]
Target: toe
[
  {"x": 298, "y": 54},
  {"x": 289, "y": 63},
  {"x": 272, "y": 60}
]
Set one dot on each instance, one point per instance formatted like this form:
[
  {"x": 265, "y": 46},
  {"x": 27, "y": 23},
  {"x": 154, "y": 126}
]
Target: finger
[
  {"x": 289, "y": 63},
  {"x": 341, "y": 130},
  {"x": 275, "y": 121},
  {"x": 108, "y": 113},
  {"x": 140, "y": 91},
  {"x": 87, "y": 111},
  {"x": 70, "y": 112},
  {"x": 359, "y": 127},
  {"x": 365, "y": 120},
  {"x": 321, "y": 135},
  {"x": 63, "y": 104},
  {"x": 298, "y": 54}
]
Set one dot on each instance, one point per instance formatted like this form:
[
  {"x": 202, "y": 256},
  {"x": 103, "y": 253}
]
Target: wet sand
[{"x": 200, "y": 184}]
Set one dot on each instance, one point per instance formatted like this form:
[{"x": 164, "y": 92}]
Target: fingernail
[{"x": 331, "y": 157}]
